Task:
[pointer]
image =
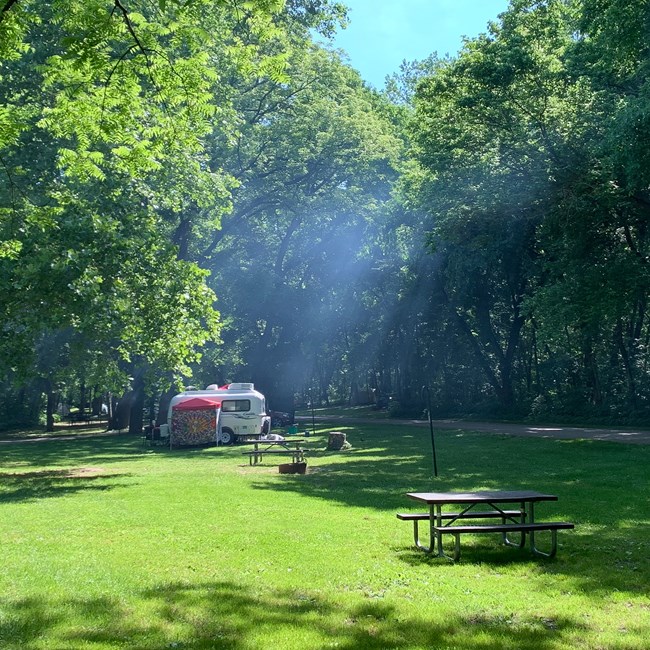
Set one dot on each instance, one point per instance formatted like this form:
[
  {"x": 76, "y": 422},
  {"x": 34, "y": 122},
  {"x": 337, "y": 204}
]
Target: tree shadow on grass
[
  {"x": 599, "y": 482},
  {"x": 233, "y": 616},
  {"x": 29, "y": 486},
  {"x": 602, "y": 488},
  {"x": 83, "y": 451}
]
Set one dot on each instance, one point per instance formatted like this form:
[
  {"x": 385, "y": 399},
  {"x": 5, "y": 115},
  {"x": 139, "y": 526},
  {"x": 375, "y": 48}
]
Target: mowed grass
[{"x": 106, "y": 543}]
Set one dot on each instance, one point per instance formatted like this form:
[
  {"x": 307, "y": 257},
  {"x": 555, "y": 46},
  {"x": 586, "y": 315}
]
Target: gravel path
[
  {"x": 630, "y": 435},
  {"x": 60, "y": 436}
]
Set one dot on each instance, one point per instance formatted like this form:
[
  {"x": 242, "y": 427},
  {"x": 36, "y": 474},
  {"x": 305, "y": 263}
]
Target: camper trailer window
[{"x": 230, "y": 405}]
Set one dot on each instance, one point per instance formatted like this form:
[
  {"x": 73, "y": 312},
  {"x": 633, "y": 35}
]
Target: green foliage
[
  {"x": 532, "y": 165},
  {"x": 314, "y": 158},
  {"x": 480, "y": 227},
  {"x": 103, "y": 118}
]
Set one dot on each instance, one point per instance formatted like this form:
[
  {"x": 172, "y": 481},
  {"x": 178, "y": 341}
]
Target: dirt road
[{"x": 630, "y": 435}]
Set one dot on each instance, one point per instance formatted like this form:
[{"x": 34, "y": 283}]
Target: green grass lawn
[
  {"x": 105, "y": 543},
  {"x": 346, "y": 411}
]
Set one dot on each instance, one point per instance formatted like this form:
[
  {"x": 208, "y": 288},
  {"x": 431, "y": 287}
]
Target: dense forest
[{"x": 198, "y": 192}]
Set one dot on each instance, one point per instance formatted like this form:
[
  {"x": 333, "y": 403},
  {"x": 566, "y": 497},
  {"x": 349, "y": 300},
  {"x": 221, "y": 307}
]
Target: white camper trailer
[{"x": 243, "y": 410}]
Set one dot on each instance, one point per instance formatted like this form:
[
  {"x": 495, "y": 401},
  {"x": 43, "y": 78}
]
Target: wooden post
[{"x": 337, "y": 441}]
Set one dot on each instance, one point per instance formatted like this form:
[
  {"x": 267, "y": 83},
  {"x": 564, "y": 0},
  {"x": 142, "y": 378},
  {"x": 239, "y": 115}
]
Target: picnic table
[
  {"x": 74, "y": 417},
  {"x": 263, "y": 447},
  {"x": 484, "y": 505}
]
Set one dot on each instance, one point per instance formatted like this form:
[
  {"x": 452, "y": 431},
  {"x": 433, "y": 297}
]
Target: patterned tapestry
[{"x": 193, "y": 427}]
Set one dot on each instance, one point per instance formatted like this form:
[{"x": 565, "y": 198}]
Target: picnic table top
[{"x": 486, "y": 496}]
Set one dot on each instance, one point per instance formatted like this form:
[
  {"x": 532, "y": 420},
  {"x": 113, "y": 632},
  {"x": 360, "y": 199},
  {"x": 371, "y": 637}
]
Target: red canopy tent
[
  {"x": 195, "y": 421},
  {"x": 198, "y": 403}
]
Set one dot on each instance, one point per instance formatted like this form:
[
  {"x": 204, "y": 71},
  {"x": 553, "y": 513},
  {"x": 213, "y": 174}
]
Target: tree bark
[
  {"x": 51, "y": 406},
  {"x": 137, "y": 404}
]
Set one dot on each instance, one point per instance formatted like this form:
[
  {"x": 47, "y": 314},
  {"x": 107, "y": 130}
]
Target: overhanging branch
[
  {"x": 5, "y": 9},
  {"x": 129, "y": 26}
]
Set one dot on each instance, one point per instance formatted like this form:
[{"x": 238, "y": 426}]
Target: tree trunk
[
  {"x": 96, "y": 404},
  {"x": 628, "y": 365},
  {"x": 111, "y": 412},
  {"x": 137, "y": 404},
  {"x": 592, "y": 379},
  {"x": 122, "y": 412},
  {"x": 163, "y": 406},
  {"x": 51, "y": 406}
]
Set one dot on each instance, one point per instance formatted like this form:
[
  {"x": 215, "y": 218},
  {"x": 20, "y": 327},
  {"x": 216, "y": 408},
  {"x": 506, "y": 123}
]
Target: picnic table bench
[
  {"x": 416, "y": 517},
  {"x": 521, "y": 520},
  {"x": 263, "y": 447},
  {"x": 83, "y": 416}
]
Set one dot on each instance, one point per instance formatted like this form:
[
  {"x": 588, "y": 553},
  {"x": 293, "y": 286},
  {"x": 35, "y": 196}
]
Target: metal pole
[
  {"x": 433, "y": 441},
  {"x": 313, "y": 417}
]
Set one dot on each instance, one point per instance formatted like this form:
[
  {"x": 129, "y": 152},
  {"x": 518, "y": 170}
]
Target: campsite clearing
[{"x": 195, "y": 548}]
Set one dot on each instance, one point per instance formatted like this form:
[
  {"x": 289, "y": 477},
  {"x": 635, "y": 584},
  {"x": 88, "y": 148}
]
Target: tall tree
[
  {"x": 105, "y": 108},
  {"x": 313, "y": 159},
  {"x": 539, "y": 211}
]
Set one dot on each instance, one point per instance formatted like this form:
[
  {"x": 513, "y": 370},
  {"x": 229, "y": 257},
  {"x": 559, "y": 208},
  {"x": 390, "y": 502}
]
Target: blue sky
[{"x": 382, "y": 33}]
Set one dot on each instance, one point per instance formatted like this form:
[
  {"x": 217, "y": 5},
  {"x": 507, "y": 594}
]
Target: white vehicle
[{"x": 243, "y": 410}]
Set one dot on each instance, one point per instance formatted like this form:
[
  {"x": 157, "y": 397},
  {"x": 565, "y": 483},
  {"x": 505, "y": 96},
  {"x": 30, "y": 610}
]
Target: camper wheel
[{"x": 227, "y": 436}]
